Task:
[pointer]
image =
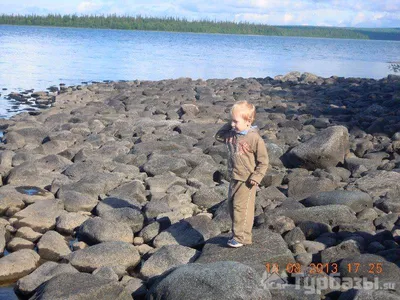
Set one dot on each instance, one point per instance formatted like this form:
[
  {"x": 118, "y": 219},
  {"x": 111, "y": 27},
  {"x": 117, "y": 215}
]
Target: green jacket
[{"x": 247, "y": 154}]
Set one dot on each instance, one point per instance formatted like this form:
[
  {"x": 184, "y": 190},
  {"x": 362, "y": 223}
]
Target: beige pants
[{"x": 241, "y": 203}]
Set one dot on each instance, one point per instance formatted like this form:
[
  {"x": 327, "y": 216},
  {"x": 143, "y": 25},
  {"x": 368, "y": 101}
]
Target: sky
[{"x": 342, "y": 13}]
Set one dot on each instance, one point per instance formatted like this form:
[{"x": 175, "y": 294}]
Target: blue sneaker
[{"x": 235, "y": 244}]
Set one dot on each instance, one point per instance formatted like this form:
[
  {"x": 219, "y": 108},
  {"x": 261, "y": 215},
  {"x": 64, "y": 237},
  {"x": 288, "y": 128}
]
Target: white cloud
[
  {"x": 88, "y": 6},
  {"x": 288, "y": 18}
]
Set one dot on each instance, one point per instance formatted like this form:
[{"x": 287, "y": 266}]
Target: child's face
[{"x": 238, "y": 123}]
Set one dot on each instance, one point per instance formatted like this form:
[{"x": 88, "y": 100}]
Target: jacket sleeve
[
  {"x": 262, "y": 161},
  {"x": 223, "y": 133}
]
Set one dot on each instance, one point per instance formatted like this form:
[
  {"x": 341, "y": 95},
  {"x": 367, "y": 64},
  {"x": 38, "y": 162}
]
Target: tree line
[{"x": 198, "y": 26}]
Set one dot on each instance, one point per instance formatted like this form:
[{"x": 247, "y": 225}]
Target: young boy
[{"x": 247, "y": 165}]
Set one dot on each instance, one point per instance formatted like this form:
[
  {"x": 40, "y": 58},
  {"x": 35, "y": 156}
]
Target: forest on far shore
[{"x": 198, "y": 26}]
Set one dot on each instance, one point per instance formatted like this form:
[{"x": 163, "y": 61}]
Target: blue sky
[{"x": 355, "y": 13}]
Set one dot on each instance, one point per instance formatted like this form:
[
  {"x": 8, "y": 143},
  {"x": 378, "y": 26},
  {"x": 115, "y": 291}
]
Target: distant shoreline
[{"x": 199, "y": 26}]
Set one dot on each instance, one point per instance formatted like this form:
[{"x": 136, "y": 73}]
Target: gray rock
[
  {"x": 74, "y": 201},
  {"x": 204, "y": 173},
  {"x": 150, "y": 231},
  {"x": 326, "y": 149},
  {"x": 343, "y": 250},
  {"x": 67, "y": 223},
  {"x": 159, "y": 184},
  {"x": 156, "y": 207},
  {"x": 18, "y": 243},
  {"x": 111, "y": 203},
  {"x": 222, "y": 217},
  {"x": 105, "y": 255},
  {"x": 135, "y": 287},
  {"x": 208, "y": 197},
  {"x": 267, "y": 246},
  {"x": 26, "y": 194},
  {"x": 211, "y": 281},
  {"x": 17, "y": 265},
  {"x": 303, "y": 187},
  {"x": 367, "y": 214},
  {"x": 94, "y": 184},
  {"x": 279, "y": 224},
  {"x": 313, "y": 230},
  {"x": 189, "y": 232},
  {"x": 28, "y": 234},
  {"x": 134, "y": 191},
  {"x": 48, "y": 270},
  {"x": 333, "y": 215},
  {"x": 388, "y": 293},
  {"x": 377, "y": 184},
  {"x": 53, "y": 246},
  {"x": 166, "y": 258},
  {"x": 370, "y": 266},
  {"x": 294, "y": 236},
  {"x": 293, "y": 292},
  {"x": 40, "y": 216},
  {"x": 2, "y": 240},
  {"x": 275, "y": 152},
  {"x": 160, "y": 164},
  {"x": 106, "y": 273},
  {"x": 356, "y": 200},
  {"x": 98, "y": 230},
  {"x": 126, "y": 215},
  {"x": 80, "y": 286}
]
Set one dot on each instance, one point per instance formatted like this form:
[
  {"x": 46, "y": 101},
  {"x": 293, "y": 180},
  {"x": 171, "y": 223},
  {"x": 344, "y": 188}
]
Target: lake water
[{"x": 38, "y": 57}]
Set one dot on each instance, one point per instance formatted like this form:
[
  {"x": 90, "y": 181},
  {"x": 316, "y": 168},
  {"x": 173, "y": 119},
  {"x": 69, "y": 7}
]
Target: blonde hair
[{"x": 247, "y": 110}]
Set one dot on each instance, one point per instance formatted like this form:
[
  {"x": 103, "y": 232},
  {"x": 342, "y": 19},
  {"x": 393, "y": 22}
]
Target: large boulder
[
  {"x": 325, "y": 149},
  {"x": 378, "y": 184},
  {"x": 267, "y": 246},
  {"x": 80, "y": 286},
  {"x": 17, "y": 265},
  {"x": 189, "y": 232},
  {"x": 370, "y": 266},
  {"x": 104, "y": 255},
  {"x": 159, "y": 164},
  {"x": 134, "y": 190},
  {"x": 48, "y": 270},
  {"x": 330, "y": 214},
  {"x": 303, "y": 187},
  {"x": 53, "y": 246},
  {"x": 98, "y": 230},
  {"x": 166, "y": 258},
  {"x": 40, "y": 216},
  {"x": 75, "y": 202},
  {"x": 126, "y": 215},
  {"x": 210, "y": 281},
  {"x": 356, "y": 200}
]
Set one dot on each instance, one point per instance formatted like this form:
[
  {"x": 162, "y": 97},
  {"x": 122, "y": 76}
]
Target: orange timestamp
[{"x": 316, "y": 268}]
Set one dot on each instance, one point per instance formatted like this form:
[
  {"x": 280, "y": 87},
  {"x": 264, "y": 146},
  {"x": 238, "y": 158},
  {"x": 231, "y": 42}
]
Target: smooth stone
[
  {"x": 80, "y": 286},
  {"x": 356, "y": 200},
  {"x": 166, "y": 258},
  {"x": 53, "y": 246},
  {"x": 48, "y": 270},
  {"x": 98, "y": 230},
  {"x": 104, "y": 255},
  {"x": 210, "y": 281},
  {"x": 268, "y": 246},
  {"x": 17, "y": 265}
]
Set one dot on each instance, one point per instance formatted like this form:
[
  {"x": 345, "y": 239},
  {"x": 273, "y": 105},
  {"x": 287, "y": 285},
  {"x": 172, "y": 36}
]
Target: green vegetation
[{"x": 204, "y": 26}]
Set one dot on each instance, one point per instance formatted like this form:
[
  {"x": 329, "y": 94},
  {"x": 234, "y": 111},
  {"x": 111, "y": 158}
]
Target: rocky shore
[{"x": 118, "y": 191}]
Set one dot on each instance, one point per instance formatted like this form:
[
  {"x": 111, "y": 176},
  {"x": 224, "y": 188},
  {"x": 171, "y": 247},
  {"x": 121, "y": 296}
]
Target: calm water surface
[{"x": 38, "y": 57}]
